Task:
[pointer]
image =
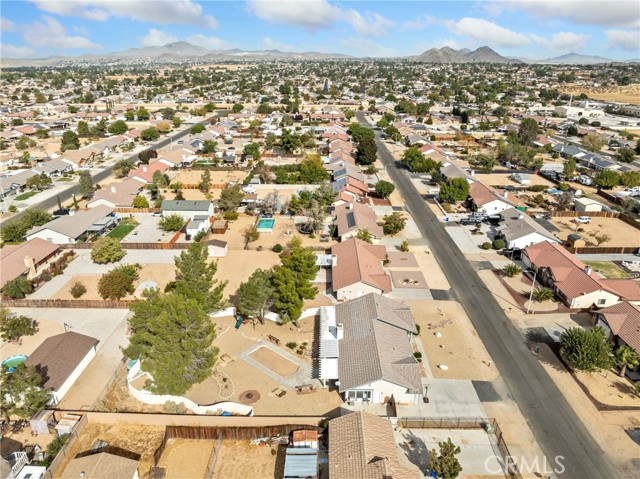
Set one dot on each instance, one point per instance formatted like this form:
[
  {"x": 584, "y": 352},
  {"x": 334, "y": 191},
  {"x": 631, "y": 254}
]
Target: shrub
[
  {"x": 404, "y": 246},
  {"x": 77, "y": 289},
  {"x": 277, "y": 248},
  {"x": 418, "y": 330},
  {"x": 171, "y": 223},
  {"x": 46, "y": 277},
  {"x": 230, "y": 215},
  {"x": 199, "y": 236},
  {"x": 394, "y": 223},
  {"x": 497, "y": 244},
  {"x": 536, "y": 188},
  {"x": 115, "y": 285},
  {"x": 54, "y": 448},
  {"x": 564, "y": 187},
  {"x": 107, "y": 250},
  {"x": 512, "y": 270},
  {"x": 486, "y": 245},
  {"x": 171, "y": 407},
  {"x": 18, "y": 288},
  {"x": 292, "y": 345},
  {"x": 447, "y": 208}
]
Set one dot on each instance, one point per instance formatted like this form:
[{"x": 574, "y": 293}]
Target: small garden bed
[{"x": 27, "y": 195}]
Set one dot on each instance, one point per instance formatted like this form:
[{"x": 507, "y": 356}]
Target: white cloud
[
  {"x": 367, "y": 48},
  {"x": 7, "y": 25},
  {"x": 488, "y": 32},
  {"x": 315, "y": 15},
  {"x": 271, "y": 44},
  {"x": 563, "y": 41},
  {"x": 184, "y": 12},
  {"x": 422, "y": 21},
  {"x": 212, "y": 43},
  {"x": 11, "y": 51},
  {"x": 624, "y": 39},
  {"x": 372, "y": 24},
  {"x": 591, "y": 12},
  {"x": 51, "y": 34},
  {"x": 157, "y": 38}
]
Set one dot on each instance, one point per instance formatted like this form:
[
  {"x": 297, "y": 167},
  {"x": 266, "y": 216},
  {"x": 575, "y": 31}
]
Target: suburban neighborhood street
[{"x": 557, "y": 428}]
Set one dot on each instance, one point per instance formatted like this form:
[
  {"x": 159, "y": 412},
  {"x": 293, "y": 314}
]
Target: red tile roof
[{"x": 358, "y": 261}]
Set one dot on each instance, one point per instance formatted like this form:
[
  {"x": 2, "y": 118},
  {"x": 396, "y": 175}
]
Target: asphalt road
[
  {"x": 67, "y": 194},
  {"x": 554, "y": 423}
]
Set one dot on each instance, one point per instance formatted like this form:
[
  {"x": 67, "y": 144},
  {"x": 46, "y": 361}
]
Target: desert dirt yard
[
  {"x": 186, "y": 458},
  {"x": 241, "y": 459},
  {"x": 274, "y": 361},
  {"x": 625, "y": 94},
  {"x": 621, "y": 234},
  {"x": 458, "y": 346}
]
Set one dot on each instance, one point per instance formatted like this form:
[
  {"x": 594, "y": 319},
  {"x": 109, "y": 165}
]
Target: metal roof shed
[{"x": 301, "y": 463}]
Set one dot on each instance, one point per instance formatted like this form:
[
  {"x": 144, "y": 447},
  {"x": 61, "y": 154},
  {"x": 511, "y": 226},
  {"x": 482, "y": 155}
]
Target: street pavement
[
  {"x": 67, "y": 195},
  {"x": 555, "y": 425}
]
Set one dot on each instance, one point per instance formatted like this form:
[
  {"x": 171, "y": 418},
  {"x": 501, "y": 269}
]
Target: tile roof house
[
  {"x": 116, "y": 195},
  {"x": 622, "y": 322},
  {"x": 101, "y": 465},
  {"x": 353, "y": 217},
  {"x": 357, "y": 269},
  {"x": 144, "y": 173},
  {"x": 487, "y": 200},
  {"x": 68, "y": 229},
  {"x": 363, "y": 446},
  {"x": 188, "y": 209},
  {"x": 375, "y": 357},
  {"x": 575, "y": 282},
  {"x": 177, "y": 158},
  {"x": 25, "y": 259},
  {"x": 60, "y": 360},
  {"x": 519, "y": 230}
]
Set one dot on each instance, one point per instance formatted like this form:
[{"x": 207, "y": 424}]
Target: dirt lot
[
  {"x": 274, "y": 361},
  {"x": 621, "y": 233},
  {"x": 625, "y": 94},
  {"x": 143, "y": 440},
  {"x": 501, "y": 179},
  {"x": 161, "y": 274},
  {"x": 459, "y": 346},
  {"x": 239, "y": 459},
  {"x": 186, "y": 458},
  {"x": 191, "y": 177}
]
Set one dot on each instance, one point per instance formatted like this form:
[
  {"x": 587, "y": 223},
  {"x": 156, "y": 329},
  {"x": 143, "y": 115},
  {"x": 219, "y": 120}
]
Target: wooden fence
[
  {"x": 66, "y": 303},
  {"x": 195, "y": 186},
  {"x": 602, "y": 249},
  {"x": 592, "y": 214},
  {"x": 137, "y": 210}
]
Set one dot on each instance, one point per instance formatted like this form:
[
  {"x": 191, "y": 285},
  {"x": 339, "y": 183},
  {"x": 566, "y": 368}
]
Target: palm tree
[
  {"x": 626, "y": 357},
  {"x": 542, "y": 294},
  {"x": 512, "y": 270}
]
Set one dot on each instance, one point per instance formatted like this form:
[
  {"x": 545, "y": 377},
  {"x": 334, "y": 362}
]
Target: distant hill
[
  {"x": 171, "y": 52},
  {"x": 576, "y": 59},
  {"x": 449, "y": 55}
]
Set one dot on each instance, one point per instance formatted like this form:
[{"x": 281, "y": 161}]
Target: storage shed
[{"x": 301, "y": 463}]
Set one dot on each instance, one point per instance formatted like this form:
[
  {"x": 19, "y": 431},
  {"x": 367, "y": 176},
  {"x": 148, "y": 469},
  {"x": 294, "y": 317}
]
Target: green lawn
[
  {"x": 121, "y": 230},
  {"x": 607, "y": 268},
  {"x": 26, "y": 195}
]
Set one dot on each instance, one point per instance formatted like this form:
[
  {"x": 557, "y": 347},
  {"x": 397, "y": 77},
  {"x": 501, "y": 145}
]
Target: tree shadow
[
  {"x": 281, "y": 457},
  {"x": 415, "y": 450}
]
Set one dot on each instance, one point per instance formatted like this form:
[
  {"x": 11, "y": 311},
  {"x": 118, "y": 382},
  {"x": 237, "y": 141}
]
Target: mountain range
[{"x": 184, "y": 51}]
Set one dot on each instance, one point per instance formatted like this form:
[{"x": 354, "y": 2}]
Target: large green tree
[
  {"x": 85, "y": 185},
  {"x": 14, "y": 326},
  {"x": 444, "y": 462},
  {"x": 255, "y": 295},
  {"x": 230, "y": 197},
  {"x": 606, "y": 179},
  {"x": 15, "y": 230},
  {"x": 22, "y": 395},
  {"x": 195, "y": 278},
  {"x": 453, "y": 190},
  {"x": 586, "y": 350},
  {"x": 107, "y": 250},
  {"x": 118, "y": 127},
  {"x": 384, "y": 188},
  {"x": 18, "y": 287},
  {"x": 69, "y": 141},
  {"x": 626, "y": 357},
  {"x": 528, "y": 131},
  {"x": 173, "y": 337},
  {"x": 367, "y": 151}
]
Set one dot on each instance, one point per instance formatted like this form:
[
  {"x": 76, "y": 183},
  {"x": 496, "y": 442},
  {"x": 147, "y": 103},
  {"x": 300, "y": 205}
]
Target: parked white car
[{"x": 583, "y": 219}]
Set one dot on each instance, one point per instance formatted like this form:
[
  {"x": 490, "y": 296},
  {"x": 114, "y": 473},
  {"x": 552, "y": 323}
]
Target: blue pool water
[
  {"x": 13, "y": 361},
  {"x": 266, "y": 223}
]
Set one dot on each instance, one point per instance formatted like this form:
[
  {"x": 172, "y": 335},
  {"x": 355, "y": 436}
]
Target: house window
[
  {"x": 601, "y": 302},
  {"x": 359, "y": 395}
]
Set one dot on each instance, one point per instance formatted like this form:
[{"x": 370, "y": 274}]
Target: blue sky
[{"x": 526, "y": 28}]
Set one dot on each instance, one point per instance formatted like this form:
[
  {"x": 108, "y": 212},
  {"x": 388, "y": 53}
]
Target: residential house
[
  {"x": 199, "y": 213},
  {"x": 622, "y": 324},
  {"x": 357, "y": 269},
  {"x": 54, "y": 167},
  {"x": 350, "y": 184},
  {"x": 117, "y": 195},
  {"x": 60, "y": 360},
  {"x": 375, "y": 358},
  {"x": 354, "y": 217},
  {"x": 79, "y": 157},
  {"x": 100, "y": 465},
  {"x": 363, "y": 446},
  {"x": 519, "y": 230},
  {"x": 144, "y": 173},
  {"x": 70, "y": 229},
  {"x": 177, "y": 158},
  {"x": 486, "y": 200},
  {"x": 574, "y": 282},
  {"x": 26, "y": 259}
]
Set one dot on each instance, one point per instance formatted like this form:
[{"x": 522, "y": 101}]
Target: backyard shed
[
  {"x": 587, "y": 204},
  {"x": 41, "y": 421},
  {"x": 301, "y": 462}
]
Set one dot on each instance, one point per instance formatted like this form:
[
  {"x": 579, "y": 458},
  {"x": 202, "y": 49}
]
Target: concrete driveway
[{"x": 148, "y": 231}]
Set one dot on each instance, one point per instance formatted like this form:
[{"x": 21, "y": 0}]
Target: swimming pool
[
  {"x": 13, "y": 361},
  {"x": 265, "y": 225}
]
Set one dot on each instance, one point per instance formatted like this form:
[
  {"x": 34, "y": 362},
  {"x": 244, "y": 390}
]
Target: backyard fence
[
  {"x": 137, "y": 210},
  {"x": 195, "y": 186},
  {"x": 52, "y": 471},
  {"x": 488, "y": 424},
  {"x": 592, "y": 214},
  {"x": 66, "y": 303},
  {"x": 602, "y": 249}
]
